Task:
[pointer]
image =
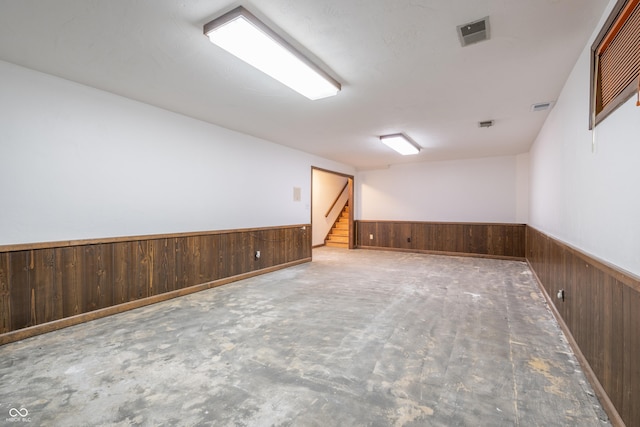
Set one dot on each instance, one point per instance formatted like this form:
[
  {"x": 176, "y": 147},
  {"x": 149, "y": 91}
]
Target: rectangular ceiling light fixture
[
  {"x": 400, "y": 143},
  {"x": 240, "y": 33}
]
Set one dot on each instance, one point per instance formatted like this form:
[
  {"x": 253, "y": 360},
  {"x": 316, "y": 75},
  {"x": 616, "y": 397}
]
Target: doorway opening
[{"x": 332, "y": 208}]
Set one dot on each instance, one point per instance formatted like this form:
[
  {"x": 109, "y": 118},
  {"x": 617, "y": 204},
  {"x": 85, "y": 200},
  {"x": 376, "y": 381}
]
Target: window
[{"x": 615, "y": 61}]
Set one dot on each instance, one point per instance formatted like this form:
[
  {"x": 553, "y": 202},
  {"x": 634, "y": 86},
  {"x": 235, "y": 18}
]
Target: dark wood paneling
[
  {"x": 601, "y": 317},
  {"x": 43, "y": 289},
  {"x": 208, "y": 263},
  {"x": 5, "y": 295},
  {"x": 492, "y": 240},
  {"x": 141, "y": 265},
  {"x": 122, "y": 271},
  {"x": 70, "y": 278},
  {"x": 19, "y": 291},
  {"x": 45, "y": 282},
  {"x": 631, "y": 357},
  {"x": 613, "y": 351},
  {"x": 163, "y": 268}
]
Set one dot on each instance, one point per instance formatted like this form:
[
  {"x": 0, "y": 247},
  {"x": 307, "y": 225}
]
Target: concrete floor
[{"x": 355, "y": 338}]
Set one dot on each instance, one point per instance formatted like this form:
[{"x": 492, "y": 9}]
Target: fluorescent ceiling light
[
  {"x": 245, "y": 36},
  {"x": 400, "y": 143}
]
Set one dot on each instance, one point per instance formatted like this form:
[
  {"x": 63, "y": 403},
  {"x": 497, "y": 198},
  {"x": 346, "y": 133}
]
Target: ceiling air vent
[
  {"x": 541, "y": 106},
  {"x": 486, "y": 124},
  {"x": 474, "y": 32}
]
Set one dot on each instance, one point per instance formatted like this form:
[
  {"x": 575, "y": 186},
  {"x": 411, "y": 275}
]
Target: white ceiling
[{"x": 400, "y": 63}]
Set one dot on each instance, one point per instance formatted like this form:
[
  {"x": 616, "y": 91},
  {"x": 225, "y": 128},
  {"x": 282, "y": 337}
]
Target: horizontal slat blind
[{"x": 619, "y": 61}]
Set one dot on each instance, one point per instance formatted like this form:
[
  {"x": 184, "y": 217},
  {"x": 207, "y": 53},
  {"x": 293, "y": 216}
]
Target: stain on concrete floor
[{"x": 355, "y": 338}]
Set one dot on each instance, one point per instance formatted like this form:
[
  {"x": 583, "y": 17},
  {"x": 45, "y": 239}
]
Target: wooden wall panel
[
  {"x": 90, "y": 279},
  {"x": 476, "y": 239},
  {"x": 224, "y": 256},
  {"x": 631, "y": 357},
  {"x": 291, "y": 243},
  {"x": 5, "y": 295},
  {"x": 41, "y": 283},
  {"x": 492, "y": 240},
  {"x": 234, "y": 254},
  {"x": 182, "y": 263},
  {"x": 601, "y": 316},
  {"x": 613, "y": 351},
  {"x": 19, "y": 290},
  {"x": 268, "y": 257},
  {"x": 122, "y": 278},
  {"x": 208, "y": 265},
  {"x": 164, "y": 277},
  {"x": 141, "y": 268},
  {"x": 595, "y": 309},
  {"x": 70, "y": 278}
]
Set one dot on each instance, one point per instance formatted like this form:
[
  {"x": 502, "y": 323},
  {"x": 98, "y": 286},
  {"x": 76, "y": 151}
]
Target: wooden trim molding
[
  {"x": 52, "y": 285},
  {"x": 82, "y": 242},
  {"x": 503, "y": 241},
  {"x": 600, "y": 315}
]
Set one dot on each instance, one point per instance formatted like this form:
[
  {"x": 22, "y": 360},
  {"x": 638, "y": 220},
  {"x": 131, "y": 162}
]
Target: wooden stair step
[
  {"x": 337, "y": 244},
  {"x": 339, "y": 235}
]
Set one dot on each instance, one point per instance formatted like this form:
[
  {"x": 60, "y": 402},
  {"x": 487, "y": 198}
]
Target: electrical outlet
[
  {"x": 408, "y": 239},
  {"x": 257, "y": 254},
  {"x": 370, "y": 236}
]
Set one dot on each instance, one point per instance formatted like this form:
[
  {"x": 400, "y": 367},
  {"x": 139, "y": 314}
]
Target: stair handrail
[{"x": 333, "y": 205}]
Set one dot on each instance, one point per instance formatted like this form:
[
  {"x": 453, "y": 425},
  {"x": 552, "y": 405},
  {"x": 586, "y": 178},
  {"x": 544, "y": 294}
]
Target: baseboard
[{"x": 443, "y": 253}]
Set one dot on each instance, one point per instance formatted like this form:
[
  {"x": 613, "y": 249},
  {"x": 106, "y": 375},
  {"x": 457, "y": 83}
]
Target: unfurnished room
[{"x": 320, "y": 213}]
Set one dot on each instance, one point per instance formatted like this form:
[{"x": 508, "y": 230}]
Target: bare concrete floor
[{"x": 355, "y": 338}]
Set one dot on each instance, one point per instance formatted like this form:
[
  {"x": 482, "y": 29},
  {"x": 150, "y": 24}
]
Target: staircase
[{"x": 338, "y": 237}]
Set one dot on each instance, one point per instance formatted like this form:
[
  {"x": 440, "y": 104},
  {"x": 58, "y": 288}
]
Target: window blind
[{"x": 617, "y": 59}]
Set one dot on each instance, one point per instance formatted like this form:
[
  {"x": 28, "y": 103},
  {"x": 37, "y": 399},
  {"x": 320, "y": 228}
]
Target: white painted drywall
[
  {"x": 475, "y": 190},
  {"x": 326, "y": 186},
  {"x": 589, "y": 198},
  {"x": 522, "y": 188},
  {"x": 77, "y": 162}
]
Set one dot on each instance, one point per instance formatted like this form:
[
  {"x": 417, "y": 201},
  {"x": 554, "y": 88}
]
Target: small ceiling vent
[
  {"x": 541, "y": 106},
  {"x": 486, "y": 124},
  {"x": 474, "y": 32}
]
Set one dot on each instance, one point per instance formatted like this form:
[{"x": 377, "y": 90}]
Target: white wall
[
  {"x": 522, "y": 188},
  {"x": 76, "y": 162},
  {"x": 326, "y": 186},
  {"x": 476, "y": 190},
  {"x": 589, "y": 198}
]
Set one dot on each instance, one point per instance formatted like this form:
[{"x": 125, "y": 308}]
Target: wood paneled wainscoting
[
  {"x": 48, "y": 286},
  {"x": 600, "y": 314},
  {"x": 505, "y": 241}
]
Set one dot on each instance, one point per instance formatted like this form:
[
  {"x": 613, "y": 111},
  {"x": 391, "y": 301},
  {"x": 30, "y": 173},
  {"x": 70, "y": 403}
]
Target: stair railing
[{"x": 333, "y": 205}]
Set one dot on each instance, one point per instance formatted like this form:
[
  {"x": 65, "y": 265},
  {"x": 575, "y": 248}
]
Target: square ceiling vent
[
  {"x": 541, "y": 106},
  {"x": 474, "y": 32}
]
